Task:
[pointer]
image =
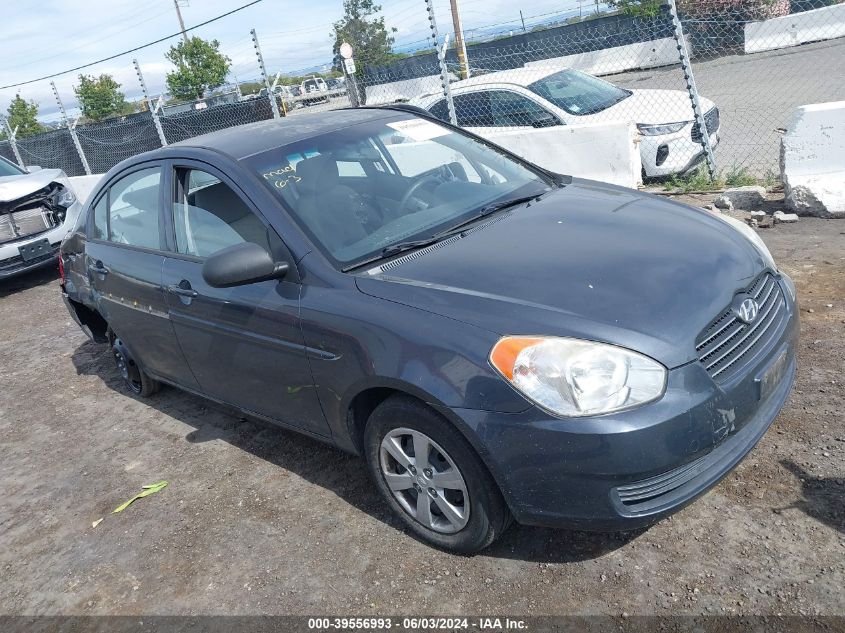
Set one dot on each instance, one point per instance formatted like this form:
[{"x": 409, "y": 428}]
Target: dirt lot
[{"x": 258, "y": 520}]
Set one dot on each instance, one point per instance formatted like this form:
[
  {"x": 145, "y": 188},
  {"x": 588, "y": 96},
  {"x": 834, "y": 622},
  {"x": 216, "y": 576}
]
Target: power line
[{"x": 132, "y": 50}]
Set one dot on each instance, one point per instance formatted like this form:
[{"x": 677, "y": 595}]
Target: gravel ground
[{"x": 259, "y": 520}]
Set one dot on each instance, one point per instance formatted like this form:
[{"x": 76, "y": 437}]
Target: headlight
[
  {"x": 752, "y": 237},
  {"x": 66, "y": 197},
  {"x": 647, "y": 129},
  {"x": 571, "y": 377}
]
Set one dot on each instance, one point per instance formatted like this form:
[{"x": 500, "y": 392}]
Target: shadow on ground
[
  {"x": 822, "y": 498},
  {"x": 343, "y": 474},
  {"x": 28, "y": 280}
]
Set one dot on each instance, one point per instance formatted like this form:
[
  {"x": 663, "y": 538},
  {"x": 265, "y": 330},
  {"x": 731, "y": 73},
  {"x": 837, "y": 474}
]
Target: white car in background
[
  {"x": 547, "y": 97},
  {"x": 36, "y": 211}
]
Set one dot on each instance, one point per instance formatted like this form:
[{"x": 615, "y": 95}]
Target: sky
[{"x": 49, "y": 36}]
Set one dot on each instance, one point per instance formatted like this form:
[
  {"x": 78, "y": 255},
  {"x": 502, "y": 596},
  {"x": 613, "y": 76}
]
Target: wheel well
[
  {"x": 93, "y": 320},
  {"x": 360, "y": 409}
]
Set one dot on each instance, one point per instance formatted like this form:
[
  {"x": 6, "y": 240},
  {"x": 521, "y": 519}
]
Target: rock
[
  {"x": 785, "y": 218},
  {"x": 746, "y": 198},
  {"x": 758, "y": 214},
  {"x": 723, "y": 203}
]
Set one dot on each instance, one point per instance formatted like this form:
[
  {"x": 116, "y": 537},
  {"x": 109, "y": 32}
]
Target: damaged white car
[{"x": 36, "y": 211}]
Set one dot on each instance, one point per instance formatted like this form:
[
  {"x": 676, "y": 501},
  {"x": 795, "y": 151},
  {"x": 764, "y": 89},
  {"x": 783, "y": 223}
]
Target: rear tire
[
  {"x": 136, "y": 379},
  {"x": 446, "y": 496}
]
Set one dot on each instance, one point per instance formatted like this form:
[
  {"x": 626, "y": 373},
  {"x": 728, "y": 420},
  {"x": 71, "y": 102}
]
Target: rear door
[
  {"x": 124, "y": 257},
  {"x": 244, "y": 344}
]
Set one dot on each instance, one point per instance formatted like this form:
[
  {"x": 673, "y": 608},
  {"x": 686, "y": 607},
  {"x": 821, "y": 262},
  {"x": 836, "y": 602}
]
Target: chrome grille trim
[{"x": 727, "y": 340}]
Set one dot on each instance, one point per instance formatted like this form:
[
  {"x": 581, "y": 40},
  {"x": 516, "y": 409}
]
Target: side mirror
[
  {"x": 544, "y": 119},
  {"x": 241, "y": 264}
]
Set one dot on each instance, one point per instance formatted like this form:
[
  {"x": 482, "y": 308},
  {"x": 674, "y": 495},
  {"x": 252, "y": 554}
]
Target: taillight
[{"x": 61, "y": 269}]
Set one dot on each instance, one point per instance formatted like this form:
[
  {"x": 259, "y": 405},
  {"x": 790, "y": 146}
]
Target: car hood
[
  {"x": 653, "y": 106},
  {"x": 588, "y": 260},
  {"x": 15, "y": 187}
]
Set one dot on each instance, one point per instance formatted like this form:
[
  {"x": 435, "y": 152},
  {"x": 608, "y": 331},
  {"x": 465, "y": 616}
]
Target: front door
[
  {"x": 124, "y": 256},
  {"x": 243, "y": 344}
]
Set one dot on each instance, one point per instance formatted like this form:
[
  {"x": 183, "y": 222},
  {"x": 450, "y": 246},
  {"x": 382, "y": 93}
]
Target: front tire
[{"x": 432, "y": 478}]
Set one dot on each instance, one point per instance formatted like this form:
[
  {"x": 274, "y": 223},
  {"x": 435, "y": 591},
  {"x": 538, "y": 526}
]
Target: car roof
[
  {"x": 516, "y": 76},
  {"x": 254, "y": 138}
]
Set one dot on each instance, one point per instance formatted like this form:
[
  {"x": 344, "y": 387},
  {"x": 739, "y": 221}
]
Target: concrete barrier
[
  {"x": 662, "y": 52},
  {"x": 813, "y": 160},
  {"x": 602, "y": 151},
  {"x": 608, "y": 152},
  {"x": 815, "y": 25},
  {"x": 403, "y": 90},
  {"x": 83, "y": 185}
]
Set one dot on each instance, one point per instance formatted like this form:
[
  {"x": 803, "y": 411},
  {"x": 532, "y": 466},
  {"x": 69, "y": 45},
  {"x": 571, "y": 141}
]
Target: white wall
[
  {"x": 826, "y": 23},
  {"x": 605, "y": 151},
  {"x": 813, "y": 160},
  {"x": 662, "y": 52},
  {"x": 83, "y": 185}
]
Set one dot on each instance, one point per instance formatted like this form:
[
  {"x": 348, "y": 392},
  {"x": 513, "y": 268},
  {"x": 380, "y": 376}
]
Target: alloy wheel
[{"x": 425, "y": 480}]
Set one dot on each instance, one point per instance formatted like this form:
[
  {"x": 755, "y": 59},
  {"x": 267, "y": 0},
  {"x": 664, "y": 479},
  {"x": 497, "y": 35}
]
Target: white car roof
[{"x": 516, "y": 76}]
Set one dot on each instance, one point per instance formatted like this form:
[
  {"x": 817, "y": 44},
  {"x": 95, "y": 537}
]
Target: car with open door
[{"x": 498, "y": 342}]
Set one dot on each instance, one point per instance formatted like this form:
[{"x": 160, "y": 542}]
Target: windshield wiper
[
  {"x": 485, "y": 211},
  {"x": 409, "y": 245}
]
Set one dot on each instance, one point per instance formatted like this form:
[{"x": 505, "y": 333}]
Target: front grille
[
  {"x": 711, "y": 120},
  {"x": 723, "y": 345}
]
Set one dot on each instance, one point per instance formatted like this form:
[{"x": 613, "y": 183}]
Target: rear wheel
[
  {"x": 432, "y": 478},
  {"x": 136, "y": 380}
]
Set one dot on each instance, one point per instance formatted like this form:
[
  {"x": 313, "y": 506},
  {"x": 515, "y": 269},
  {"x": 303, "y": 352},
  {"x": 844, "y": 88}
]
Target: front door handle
[{"x": 183, "y": 289}]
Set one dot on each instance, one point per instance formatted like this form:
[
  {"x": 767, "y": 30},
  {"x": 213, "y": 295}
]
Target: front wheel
[{"x": 432, "y": 478}]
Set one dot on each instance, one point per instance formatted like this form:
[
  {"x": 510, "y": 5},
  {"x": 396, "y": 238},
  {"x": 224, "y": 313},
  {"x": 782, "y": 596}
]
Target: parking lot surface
[{"x": 259, "y": 520}]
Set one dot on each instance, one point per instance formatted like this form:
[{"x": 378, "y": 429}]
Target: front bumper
[
  {"x": 628, "y": 470},
  {"x": 14, "y": 264},
  {"x": 682, "y": 153}
]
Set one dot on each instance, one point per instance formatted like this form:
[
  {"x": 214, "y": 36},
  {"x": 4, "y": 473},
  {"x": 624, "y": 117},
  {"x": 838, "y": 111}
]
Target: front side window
[
  {"x": 578, "y": 93},
  {"x": 416, "y": 178},
  {"x": 133, "y": 211},
  {"x": 511, "y": 109},
  {"x": 209, "y": 216}
]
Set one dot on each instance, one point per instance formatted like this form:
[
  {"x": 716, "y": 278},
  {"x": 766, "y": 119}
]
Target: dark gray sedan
[{"x": 497, "y": 341}]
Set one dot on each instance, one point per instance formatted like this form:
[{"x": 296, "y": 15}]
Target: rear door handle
[{"x": 182, "y": 291}]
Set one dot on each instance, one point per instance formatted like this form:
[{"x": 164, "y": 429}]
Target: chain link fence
[{"x": 706, "y": 82}]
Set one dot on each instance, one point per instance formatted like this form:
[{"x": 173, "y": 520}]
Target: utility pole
[
  {"x": 181, "y": 22},
  {"x": 460, "y": 45}
]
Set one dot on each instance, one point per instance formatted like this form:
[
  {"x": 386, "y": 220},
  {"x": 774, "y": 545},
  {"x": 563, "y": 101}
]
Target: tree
[
  {"x": 100, "y": 97},
  {"x": 23, "y": 115},
  {"x": 640, "y": 8},
  {"x": 200, "y": 66},
  {"x": 370, "y": 40}
]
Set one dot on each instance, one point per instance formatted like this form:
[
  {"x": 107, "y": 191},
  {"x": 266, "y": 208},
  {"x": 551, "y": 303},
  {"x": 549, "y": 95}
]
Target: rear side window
[
  {"x": 133, "y": 209},
  {"x": 210, "y": 216},
  {"x": 100, "y": 228},
  {"x": 440, "y": 110}
]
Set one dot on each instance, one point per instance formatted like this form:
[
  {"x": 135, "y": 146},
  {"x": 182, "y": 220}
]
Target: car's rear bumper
[{"x": 628, "y": 470}]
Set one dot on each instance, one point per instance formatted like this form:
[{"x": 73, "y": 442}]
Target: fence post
[
  {"x": 270, "y": 94},
  {"x": 12, "y": 134},
  {"x": 441, "y": 56},
  {"x": 692, "y": 89},
  {"x": 72, "y": 130},
  {"x": 152, "y": 108}
]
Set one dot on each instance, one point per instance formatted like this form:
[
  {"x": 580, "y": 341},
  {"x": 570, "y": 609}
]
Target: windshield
[
  {"x": 9, "y": 169},
  {"x": 368, "y": 187},
  {"x": 578, "y": 93}
]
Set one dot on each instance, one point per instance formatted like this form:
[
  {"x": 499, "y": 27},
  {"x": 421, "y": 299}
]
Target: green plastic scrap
[{"x": 147, "y": 490}]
